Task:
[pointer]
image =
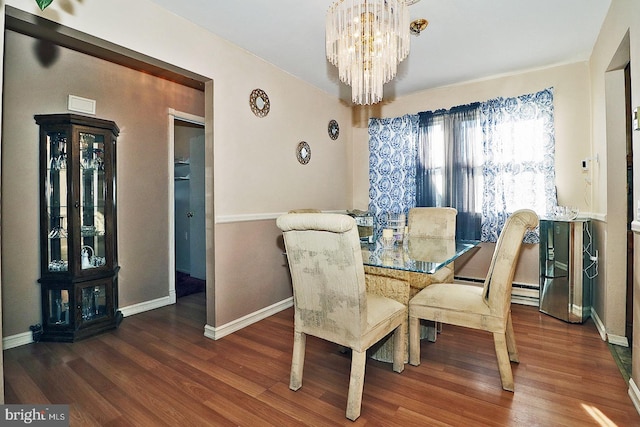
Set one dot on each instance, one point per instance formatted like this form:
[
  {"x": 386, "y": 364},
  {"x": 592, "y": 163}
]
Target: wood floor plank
[{"x": 158, "y": 369}]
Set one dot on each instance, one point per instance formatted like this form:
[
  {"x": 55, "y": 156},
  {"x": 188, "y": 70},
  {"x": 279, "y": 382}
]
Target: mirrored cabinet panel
[{"x": 78, "y": 226}]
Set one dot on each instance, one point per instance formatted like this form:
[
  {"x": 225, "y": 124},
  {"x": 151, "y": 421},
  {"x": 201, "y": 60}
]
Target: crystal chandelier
[{"x": 366, "y": 40}]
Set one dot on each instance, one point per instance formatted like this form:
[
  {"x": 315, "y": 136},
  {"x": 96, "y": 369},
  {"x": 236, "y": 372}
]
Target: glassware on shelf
[{"x": 58, "y": 265}]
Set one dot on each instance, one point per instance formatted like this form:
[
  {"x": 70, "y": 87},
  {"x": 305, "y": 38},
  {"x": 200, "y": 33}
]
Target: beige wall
[
  {"x": 617, "y": 44},
  {"x": 254, "y": 170},
  {"x": 138, "y": 103}
]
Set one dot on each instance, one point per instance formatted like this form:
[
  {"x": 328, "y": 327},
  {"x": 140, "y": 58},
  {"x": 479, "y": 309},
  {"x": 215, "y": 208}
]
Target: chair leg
[
  {"x": 297, "y": 360},
  {"x": 356, "y": 384},
  {"x": 414, "y": 341},
  {"x": 504, "y": 366},
  {"x": 511, "y": 341},
  {"x": 399, "y": 347}
]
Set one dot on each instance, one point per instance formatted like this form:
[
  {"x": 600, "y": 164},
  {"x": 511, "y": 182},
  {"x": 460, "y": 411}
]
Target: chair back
[
  {"x": 432, "y": 222},
  {"x": 497, "y": 285},
  {"x": 327, "y": 273}
]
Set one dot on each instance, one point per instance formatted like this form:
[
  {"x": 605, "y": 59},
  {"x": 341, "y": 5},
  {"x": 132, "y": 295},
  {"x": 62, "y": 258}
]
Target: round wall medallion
[
  {"x": 259, "y": 102},
  {"x": 303, "y": 152},
  {"x": 334, "y": 129}
]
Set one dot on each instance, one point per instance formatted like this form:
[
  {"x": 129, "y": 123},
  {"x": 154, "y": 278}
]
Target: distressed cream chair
[
  {"x": 486, "y": 308},
  {"x": 330, "y": 298},
  {"x": 423, "y": 223},
  {"x": 433, "y": 223}
]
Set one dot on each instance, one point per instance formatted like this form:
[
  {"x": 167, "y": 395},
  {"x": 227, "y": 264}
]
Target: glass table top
[{"x": 422, "y": 255}]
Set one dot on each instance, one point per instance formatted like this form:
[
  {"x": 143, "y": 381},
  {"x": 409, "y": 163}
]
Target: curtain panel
[
  {"x": 519, "y": 163},
  {"x": 449, "y": 165},
  {"x": 392, "y": 167}
]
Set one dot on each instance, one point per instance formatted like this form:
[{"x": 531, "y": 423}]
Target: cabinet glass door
[
  {"x": 94, "y": 302},
  {"x": 92, "y": 200},
  {"x": 58, "y": 309},
  {"x": 56, "y": 201}
]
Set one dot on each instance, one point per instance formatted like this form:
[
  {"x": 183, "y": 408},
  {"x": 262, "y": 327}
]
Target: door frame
[{"x": 183, "y": 117}]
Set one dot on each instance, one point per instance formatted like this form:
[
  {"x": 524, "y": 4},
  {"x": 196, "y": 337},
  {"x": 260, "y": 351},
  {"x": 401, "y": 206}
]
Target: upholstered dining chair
[
  {"x": 423, "y": 223},
  {"x": 433, "y": 223},
  {"x": 485, "y": 308},
  {"x": 330, "y": 299}
]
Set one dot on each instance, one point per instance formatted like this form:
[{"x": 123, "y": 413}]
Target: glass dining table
[
  {"x": 416, "y": 254},
  {"x": 392, "y": 271}
]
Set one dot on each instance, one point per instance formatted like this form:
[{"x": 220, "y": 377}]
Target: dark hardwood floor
[{"x": 158, "y": 369}]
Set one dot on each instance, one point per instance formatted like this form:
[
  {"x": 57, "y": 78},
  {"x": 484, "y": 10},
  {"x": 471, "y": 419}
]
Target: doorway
[
  {"x": 187, "y": 204},
  {"x": 630, "y": 210}
]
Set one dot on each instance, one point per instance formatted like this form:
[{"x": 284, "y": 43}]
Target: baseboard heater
[{"x": 521, "y": 293}]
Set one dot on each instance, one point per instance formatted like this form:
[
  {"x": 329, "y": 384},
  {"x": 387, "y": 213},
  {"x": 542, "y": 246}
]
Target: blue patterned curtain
[
  {"x": 392, "y": 166},
  {"x": 519, "y": 146}
]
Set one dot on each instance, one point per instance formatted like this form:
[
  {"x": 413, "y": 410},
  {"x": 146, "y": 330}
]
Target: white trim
[
  {"x": 593, "y": 215},
  {"x": 602, "y": 330},
  {"x": 146, "y": 306},
  {"x": 235, "y": 325},
  {"x": 599, "y": 325},
  {"x": 618, "y": 340},
  {"x": 186, "y": 117},
  {"x": 17, "y": 340},
  {"x": 635, "y": 226},
  {"x": 634, "y": 394},
  {"x": 226, "y": 219}
]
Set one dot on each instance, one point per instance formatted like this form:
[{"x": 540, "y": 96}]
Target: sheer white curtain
[
  {"x": 449, "y": 167},
  {"x": 519, "y": 170}
]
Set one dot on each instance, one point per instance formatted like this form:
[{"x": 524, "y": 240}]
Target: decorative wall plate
[
  {"x": 333, "y": 129},
  {"x": 259, "y": 102},
  {"x": 303, "y": 152}
]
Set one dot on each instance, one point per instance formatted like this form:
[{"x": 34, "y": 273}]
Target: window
[
  {"x": 485, "y": 159},
  {"x": 449, "y": 166}
]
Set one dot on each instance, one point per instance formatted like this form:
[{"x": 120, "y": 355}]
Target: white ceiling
[{"x": 465, "y": 40}]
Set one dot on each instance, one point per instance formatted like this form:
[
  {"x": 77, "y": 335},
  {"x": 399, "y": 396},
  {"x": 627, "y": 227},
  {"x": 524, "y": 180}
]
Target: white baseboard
[
  {"x": 216, "y": 333},
  {"x": 610, "y": 338},
  {"x": 17, "y": 340},
  {"x": 599, "y": 325},
  {"x": 634, "y": 394},
  {"x": 618, "y": 340},
  {"x": 146, "y": 306}
]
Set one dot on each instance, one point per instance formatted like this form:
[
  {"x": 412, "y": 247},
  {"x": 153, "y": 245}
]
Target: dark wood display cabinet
[{"x": 79, "y": 262}]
